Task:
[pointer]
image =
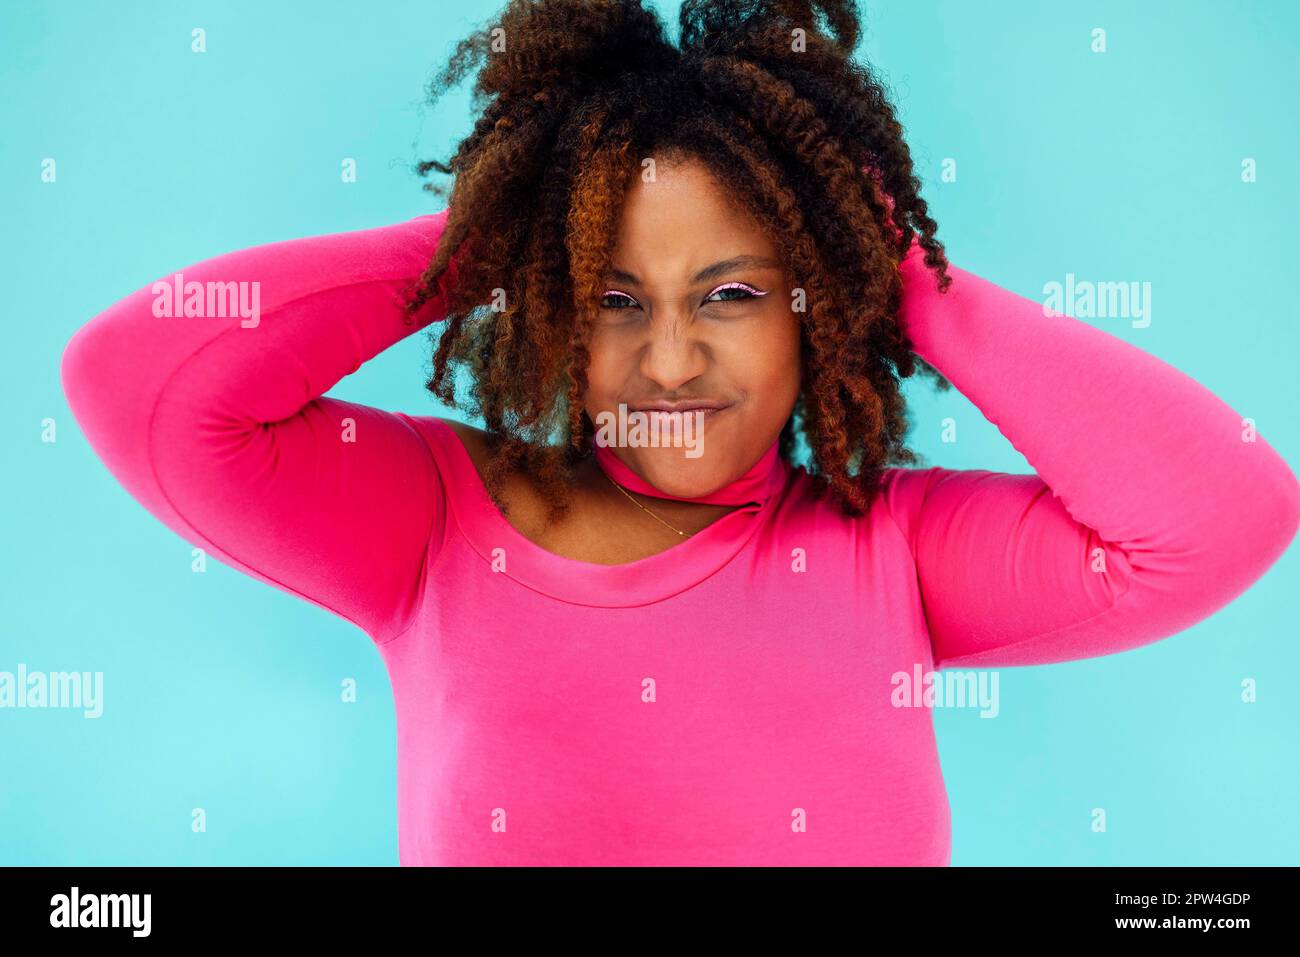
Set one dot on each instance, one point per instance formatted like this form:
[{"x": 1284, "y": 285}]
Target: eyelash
[{"x": 751, "y": 293}]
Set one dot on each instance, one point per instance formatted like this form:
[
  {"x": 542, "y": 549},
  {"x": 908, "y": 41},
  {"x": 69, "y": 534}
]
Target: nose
[{"x": 674, "y": 352}]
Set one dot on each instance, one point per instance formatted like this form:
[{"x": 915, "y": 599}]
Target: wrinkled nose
[{"x": 673, "y": 353}]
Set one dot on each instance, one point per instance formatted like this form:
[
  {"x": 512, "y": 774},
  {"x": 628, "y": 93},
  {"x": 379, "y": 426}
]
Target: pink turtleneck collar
[{"x": 764, "y": 479}]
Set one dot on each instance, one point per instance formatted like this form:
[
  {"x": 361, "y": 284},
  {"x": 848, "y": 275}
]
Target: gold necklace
[{"x": 642, "y": 507}]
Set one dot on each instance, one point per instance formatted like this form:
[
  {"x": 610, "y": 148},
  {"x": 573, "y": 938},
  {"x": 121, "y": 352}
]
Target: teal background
[{"x": 223, "y": 693}]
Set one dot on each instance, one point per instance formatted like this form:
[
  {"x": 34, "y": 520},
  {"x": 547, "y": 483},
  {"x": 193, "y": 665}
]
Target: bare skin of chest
[{"x": 603, "y": 527}]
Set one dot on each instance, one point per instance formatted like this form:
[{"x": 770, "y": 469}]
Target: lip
[
  {"x": 693, "y": 405},
  {"x": 707, "y": 415}
]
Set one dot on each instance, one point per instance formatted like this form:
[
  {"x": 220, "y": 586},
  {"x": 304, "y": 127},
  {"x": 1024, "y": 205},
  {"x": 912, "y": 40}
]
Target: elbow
[
  {"x": 77, "y": 370},
  {"x": 105, "y": 380},
  {"x": 1232, "y": 541},
  {"x": 1281, "y": 505},
  {"x": 1255, "y": 534},
  {"x": 112, "y": 367},
  {"x": 91, "y": 377}
]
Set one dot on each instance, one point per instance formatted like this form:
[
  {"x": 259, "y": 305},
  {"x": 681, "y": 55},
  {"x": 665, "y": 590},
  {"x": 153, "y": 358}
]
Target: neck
[{"x": 762, "y": 480}]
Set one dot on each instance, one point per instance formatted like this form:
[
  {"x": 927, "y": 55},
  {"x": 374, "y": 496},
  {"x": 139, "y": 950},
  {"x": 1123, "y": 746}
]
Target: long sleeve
[
  {"x": 1153, "y": 504},
  {"x": 207, "y": 407}
]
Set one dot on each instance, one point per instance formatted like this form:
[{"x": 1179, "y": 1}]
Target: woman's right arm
[{"x": 216, "y": 424}]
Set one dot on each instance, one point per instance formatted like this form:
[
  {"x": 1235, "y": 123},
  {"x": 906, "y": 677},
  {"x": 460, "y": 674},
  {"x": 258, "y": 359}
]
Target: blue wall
[{"x": 224, "y": 693}]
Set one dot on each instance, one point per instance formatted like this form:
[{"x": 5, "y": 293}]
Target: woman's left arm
[{"x": 1154, "y": 503}]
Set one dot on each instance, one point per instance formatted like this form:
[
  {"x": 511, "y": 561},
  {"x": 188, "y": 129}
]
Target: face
[{"x": 696, "y": 314}]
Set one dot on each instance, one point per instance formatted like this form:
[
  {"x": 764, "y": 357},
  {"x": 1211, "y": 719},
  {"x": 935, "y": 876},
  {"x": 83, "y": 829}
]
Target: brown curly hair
[{"x": 571, "y": 95}]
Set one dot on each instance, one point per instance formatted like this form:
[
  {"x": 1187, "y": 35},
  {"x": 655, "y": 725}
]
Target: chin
[{"x": 669, "y": 470}]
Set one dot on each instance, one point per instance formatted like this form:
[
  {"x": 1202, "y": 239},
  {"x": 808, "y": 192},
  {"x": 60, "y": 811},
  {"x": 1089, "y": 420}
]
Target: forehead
[{"x": 683, "y": 220}]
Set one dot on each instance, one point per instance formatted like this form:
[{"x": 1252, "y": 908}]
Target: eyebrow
[{"x": 709, "y": 273}]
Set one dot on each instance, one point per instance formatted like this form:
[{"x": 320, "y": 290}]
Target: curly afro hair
[{"x": 570, "y": 95}]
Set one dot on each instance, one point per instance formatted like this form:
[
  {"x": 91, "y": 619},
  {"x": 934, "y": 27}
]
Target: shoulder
[
  {"x": 899, "y": 490},
  {"x": 459, "y": 450},
  {"x": 473, "y": 439},
  {"x": 517, "y": 492}
]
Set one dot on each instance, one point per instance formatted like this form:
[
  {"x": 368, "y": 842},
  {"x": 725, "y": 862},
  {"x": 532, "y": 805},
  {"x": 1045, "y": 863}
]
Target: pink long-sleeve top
[{"x": 731, "y": 700}]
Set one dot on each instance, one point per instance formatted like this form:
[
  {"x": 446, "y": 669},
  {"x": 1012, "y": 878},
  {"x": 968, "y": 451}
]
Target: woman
[{"x": 608, "y": 652}]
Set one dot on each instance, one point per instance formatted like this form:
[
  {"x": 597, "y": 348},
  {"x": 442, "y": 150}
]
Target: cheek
[
  {"x": 761, "y": 359},
  {"x": 767, "y": 361},
  {"x": 603, "y": 373}
]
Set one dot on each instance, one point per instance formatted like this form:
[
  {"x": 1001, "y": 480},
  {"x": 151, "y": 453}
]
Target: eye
[
  {"x": 617, "y": 300},
  {"x": 734, "y": 292}
]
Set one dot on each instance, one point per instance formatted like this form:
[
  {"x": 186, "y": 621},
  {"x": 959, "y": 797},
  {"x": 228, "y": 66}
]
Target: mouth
[
  {"x": 661, "y": 413},
  {"x": 663, "y": 420},
  {"x": 686, "y": 405}
]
